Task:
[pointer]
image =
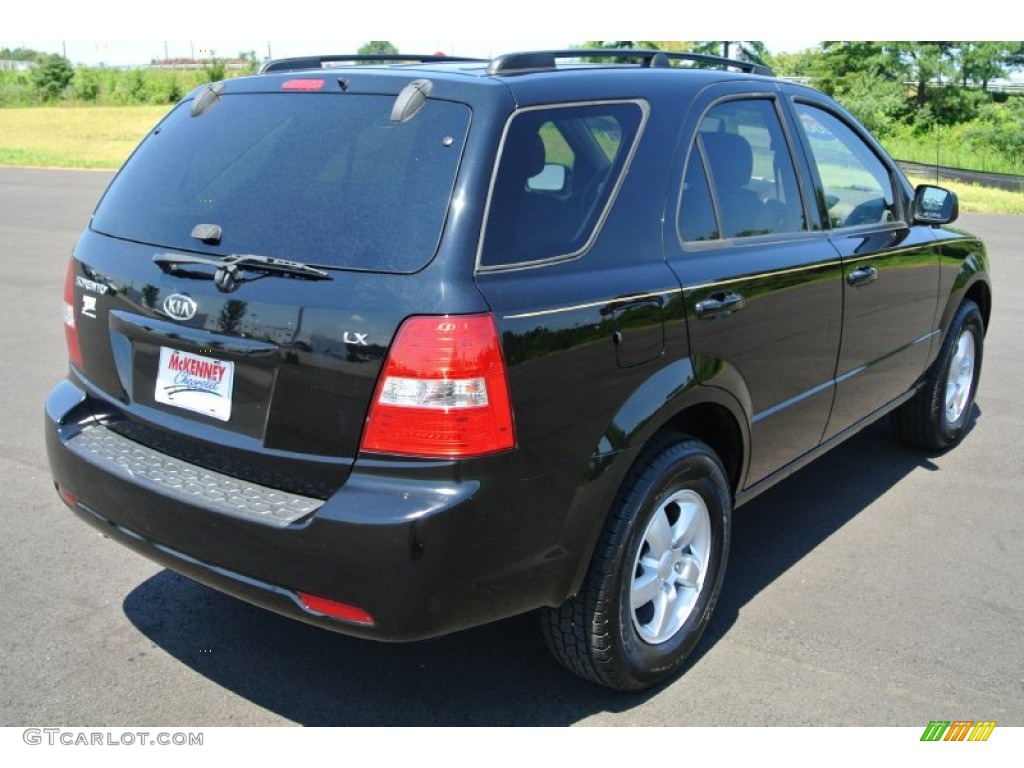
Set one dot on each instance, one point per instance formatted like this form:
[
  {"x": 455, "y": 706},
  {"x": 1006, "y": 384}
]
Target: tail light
[
  {"x": 70, "y": 326},
  {"x": 443, "y": 391}
]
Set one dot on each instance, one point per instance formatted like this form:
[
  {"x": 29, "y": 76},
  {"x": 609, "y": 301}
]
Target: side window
[
  {"x": 857, "y": 185},
  {"x": 697, "y": 214},
  {"x": 750, "y": 169},
  {"x": 558, "y": 170}
]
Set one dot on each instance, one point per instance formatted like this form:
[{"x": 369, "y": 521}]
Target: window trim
[
  {"x": 480, "y": 268},
  {"x": 791, "y": 145},
  {"x": 873, "y": 146}
]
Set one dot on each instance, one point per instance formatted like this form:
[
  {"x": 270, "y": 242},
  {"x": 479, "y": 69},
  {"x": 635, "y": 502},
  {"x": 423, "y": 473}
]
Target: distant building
[
  {"x": 185, "y": 63},
  {"x": 14, "y": 65}
]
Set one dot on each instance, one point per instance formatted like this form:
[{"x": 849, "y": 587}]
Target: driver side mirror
[{"x": 935, "y": 205}]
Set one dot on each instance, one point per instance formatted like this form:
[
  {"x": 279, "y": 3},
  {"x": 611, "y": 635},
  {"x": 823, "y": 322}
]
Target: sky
[{"x": 128, "y": 32}]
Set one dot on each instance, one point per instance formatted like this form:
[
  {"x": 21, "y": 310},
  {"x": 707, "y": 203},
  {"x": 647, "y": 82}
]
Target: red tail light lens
[
  {"x": 334, "y": 609},
  {"x": 70, "y": 326},
  {"x": 302, "y": 85},
  {"x": 443, "y": 391}
]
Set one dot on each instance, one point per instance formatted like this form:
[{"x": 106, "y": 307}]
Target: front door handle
[
  {"x": 720, "y": 303},
  {"x": 862, "y": 276}
]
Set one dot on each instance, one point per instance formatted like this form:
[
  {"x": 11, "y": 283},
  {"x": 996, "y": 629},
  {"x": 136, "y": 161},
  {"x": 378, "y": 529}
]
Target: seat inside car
[
  {"x": 731, "y": 161},
  {"x": 529, "y": 223}
]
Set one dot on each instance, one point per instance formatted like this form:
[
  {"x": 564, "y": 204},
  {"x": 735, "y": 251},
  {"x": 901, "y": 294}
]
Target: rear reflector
[
  {"x": 303, "y": 85},
  {"x": 70, "y": 326},
  {"x": 443, "y": 392},
  {"x": 67, "y": 496},
  {"x": 334, "y": 609}
]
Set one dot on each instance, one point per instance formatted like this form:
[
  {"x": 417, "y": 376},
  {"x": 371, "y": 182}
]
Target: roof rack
[
  {"x": 537, "y": 61},
  {"x": 317, "y": 62}
]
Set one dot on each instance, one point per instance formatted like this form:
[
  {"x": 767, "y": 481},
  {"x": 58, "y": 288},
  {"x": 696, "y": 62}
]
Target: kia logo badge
[{"x": 180, "y": 307}]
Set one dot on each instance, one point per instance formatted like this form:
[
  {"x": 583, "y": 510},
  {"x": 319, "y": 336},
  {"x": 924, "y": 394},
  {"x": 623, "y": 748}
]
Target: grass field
[
  {"x": 975, "y": 199},
  {"x": 953, "y": 154},
  {"x": 73, "y": 137},
  {"x": 102, "y": 137}
]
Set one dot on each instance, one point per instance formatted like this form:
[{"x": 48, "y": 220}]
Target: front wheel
[
  {"x": 655, "y": 575},
  {"x": 936, "y": 417}
]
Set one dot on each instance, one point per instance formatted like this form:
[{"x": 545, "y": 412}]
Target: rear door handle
[
  {"x": 862, "y": 276},
  {"x": 720, "y": 304}
]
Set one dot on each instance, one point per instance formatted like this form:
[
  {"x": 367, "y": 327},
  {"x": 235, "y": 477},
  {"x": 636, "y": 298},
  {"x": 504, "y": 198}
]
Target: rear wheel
[
  {"x": 936, "y": 417},
  {"x": 655, "y": 575}
]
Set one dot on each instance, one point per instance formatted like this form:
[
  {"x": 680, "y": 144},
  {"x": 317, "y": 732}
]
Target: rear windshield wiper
[{"x": 228, "y": 271}]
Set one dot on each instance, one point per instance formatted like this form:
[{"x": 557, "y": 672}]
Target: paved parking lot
[{"x": 876, "y": 587}]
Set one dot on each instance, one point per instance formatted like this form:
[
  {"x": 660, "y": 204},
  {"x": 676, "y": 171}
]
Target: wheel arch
[
  {"x": 713, "y": 424},
  {"x": 670, "y": 402},
  {"x": 970, "y": 282},
  {"x": 981, "y": 294}
]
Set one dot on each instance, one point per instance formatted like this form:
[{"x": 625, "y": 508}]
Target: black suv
[{"x": 404, "y": 348}]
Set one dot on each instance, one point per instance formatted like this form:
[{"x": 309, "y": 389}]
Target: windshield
[{"x": 319, "y": 178}]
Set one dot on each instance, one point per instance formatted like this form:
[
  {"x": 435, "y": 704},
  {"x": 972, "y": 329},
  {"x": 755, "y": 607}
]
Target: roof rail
[
  {"x": 537, "y": 61},
  {"x": 317, "y": 62}
]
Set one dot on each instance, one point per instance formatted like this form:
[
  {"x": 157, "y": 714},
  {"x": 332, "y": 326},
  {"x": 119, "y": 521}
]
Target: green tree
[
  {"x": 53, "y": 75},
  {"x": 683, "y": 46},
  {"x": 215, "y": 69},
  {"x": 86, "y": 84},
  {"x": 842, "y": 62},
  {"x": 1015, "y": 55},
  {"x": 938, "y": 78},
  {"x": 21, "y": 54},
  {"x": 175, "y": 92},
  {"x": 795, "y": 63},
  {"x": 650, "y": 44},
  {"x": 375, "y": 47},
  {"x": 982, "y": 62},
  {"x": 634, "y": 44},
  {"x": 879, "y": 103},
  {"x": 252, "y": 62},
  {"x": 999, "y": 127},
  {"x": 924, "y": 63},
  {"x": 753, "y": 51}
]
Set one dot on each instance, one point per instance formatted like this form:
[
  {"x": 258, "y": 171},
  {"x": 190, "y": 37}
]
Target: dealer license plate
[{"x": 195, "y": 383}]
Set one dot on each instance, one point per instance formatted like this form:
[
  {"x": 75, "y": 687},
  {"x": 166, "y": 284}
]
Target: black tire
[
  {"x": 937, "y": 416},
  {"x": 598, "y": 634}
]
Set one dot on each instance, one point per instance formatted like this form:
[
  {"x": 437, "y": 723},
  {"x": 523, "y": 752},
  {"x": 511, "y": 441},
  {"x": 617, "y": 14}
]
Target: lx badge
[{"x": 359, "y": 339}]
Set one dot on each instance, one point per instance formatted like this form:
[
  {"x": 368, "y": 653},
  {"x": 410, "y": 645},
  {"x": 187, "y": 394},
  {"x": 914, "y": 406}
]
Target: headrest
[
  {"x": 730, "y": 157},
  {"x": 524, "y": 151}
]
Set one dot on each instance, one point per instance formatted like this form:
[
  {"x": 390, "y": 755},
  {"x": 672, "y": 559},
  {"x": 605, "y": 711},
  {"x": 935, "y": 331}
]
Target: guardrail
[{"x": 1005, "y": 181}]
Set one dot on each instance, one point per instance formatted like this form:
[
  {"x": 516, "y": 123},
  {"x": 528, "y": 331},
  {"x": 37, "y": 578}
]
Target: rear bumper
[{"x": 423, "y": 557}]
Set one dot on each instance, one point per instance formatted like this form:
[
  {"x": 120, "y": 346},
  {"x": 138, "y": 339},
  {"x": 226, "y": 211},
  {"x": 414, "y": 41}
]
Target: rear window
[{"x": 320, "y": 178}]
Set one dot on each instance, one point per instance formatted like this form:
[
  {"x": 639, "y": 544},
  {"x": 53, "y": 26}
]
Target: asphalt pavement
[{"x": 876, "y": 587}]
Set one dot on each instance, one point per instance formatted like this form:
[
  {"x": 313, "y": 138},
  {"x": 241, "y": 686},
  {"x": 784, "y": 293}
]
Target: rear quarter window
[{"x": 555, "y": 180}]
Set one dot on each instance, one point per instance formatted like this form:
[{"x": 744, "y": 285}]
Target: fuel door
[{"x": 638, "y": 330}]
